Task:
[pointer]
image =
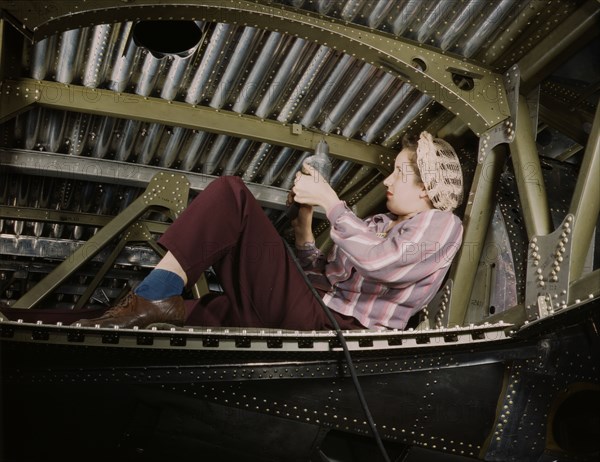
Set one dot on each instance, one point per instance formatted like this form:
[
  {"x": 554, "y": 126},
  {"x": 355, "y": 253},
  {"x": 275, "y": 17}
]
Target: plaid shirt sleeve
[
  {"x": 310, "y": 257},
  {"x": 414, "y": 250}
]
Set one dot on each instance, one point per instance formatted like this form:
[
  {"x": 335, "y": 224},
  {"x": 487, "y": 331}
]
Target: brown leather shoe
[{"x": 138, "y": 311}]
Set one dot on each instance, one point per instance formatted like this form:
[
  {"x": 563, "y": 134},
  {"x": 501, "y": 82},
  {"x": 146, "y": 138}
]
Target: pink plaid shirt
[{"x": 382, "y": 280}]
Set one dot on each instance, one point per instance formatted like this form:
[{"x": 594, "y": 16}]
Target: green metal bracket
[
  {"x": 548, "y": 266},
  {"x": 165, "y": 191},
  {"x": 15, "y": 99},
  {"x": 505, "y": 131}
]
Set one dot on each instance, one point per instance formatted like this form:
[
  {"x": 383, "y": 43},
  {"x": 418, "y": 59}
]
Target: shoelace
[{"x": 125, "y": 306}]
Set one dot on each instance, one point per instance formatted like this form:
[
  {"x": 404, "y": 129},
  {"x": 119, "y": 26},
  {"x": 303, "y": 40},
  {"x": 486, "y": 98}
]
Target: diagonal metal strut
[{"x": 165, "y": 191}]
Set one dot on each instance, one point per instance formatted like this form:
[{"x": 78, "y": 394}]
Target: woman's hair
[{"x": 410, "y": 142}]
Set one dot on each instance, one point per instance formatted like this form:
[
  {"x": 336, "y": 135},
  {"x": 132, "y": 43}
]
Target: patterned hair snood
[{"x": 440, "y": 171}]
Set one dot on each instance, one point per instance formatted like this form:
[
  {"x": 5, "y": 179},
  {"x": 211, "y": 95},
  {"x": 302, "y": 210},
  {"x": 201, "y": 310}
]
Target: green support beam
[
  {"x": 54, "y": 95},
  {"x": 585, "y": 203},
  {"x": 528, "y": 175},
  {"x": 65, "y": 217},
  {"x": 478, "y": 215},
  {"x": 123, "y": 173},
  {"x": 469, "y": 90}
]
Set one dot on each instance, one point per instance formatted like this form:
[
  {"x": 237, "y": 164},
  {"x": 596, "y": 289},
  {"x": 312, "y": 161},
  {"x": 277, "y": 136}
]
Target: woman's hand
[
  {"x": 311, "y": 188},
  {"x": 302, "y": 223}
]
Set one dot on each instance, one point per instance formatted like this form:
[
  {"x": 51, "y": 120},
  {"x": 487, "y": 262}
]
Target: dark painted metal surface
[{"x": 509, "y": 399}]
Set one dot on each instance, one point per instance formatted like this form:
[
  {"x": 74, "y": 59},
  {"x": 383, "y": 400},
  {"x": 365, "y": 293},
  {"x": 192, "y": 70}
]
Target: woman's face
[{"x": 406, "y": 194}]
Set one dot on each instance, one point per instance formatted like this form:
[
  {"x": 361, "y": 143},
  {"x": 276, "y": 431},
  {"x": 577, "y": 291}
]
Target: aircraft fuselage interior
[{"x": 115, "y": 114}]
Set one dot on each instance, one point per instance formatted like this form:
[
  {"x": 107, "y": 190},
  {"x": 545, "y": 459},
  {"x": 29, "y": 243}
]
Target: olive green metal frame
[
  {"x": 556, "y": 256},
  {"x": 65, "y": 217},
  {"x": 555, "y": 277},
  {"x": 122, "y": 173},
  {"x": 21, "y": 95},
  {"x": 167, "y": 192},
  {"x": 482, "y": 104}
]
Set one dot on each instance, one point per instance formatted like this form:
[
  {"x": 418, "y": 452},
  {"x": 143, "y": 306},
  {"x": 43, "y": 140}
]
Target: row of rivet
[
  {"x": 443, "y": 308},
  {"x": 157, "y": 190},
  {"x": 552, "y": 277},
  {"x": 302, "y": 413},
  {"x": 509, "y": 133}
]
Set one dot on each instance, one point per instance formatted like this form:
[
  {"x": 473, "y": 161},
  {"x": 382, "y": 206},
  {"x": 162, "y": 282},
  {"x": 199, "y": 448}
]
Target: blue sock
[{"x": 160, "y": 284}]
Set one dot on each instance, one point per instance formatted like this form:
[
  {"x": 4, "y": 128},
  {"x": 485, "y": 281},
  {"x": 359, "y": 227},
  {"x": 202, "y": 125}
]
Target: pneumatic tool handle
[{"x": 321, "y": 162}]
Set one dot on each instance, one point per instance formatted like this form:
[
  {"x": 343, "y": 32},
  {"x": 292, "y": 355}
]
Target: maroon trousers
[{"x": 225, "y": 227}]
